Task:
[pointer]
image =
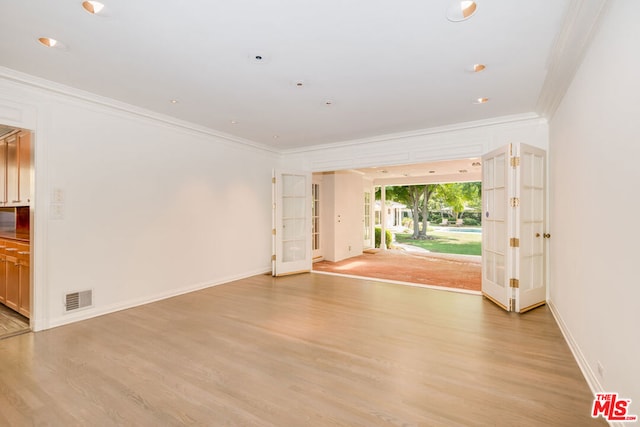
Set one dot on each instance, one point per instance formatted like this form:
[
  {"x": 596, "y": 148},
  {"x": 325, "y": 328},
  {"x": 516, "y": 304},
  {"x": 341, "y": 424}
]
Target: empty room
[{"x": 161, "y": 164}]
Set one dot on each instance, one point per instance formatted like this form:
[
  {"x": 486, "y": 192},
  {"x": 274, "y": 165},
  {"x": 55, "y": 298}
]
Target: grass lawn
[{"x": 446, "y": 243}]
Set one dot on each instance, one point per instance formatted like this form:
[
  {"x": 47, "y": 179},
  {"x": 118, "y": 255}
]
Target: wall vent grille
[{"x": 77, "y": 300}]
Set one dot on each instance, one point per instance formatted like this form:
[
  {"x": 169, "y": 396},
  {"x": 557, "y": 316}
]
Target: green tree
[
  {"x": 427, "y": 192},
  {"x": 459, "y": 195}
]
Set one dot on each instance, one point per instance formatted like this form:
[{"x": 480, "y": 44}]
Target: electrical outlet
[{"x": 600, "y": 369}]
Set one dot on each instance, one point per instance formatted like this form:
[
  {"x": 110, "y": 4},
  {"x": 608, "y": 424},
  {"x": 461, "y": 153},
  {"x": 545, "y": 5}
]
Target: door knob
[
  {"x": 547, "y": 236},
  {"x": 537, "y": 234}
]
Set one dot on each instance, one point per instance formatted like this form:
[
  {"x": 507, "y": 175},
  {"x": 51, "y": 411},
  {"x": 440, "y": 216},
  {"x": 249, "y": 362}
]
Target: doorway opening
[
  {"x": 350, "y": 204},
  {"x": 15, "y": 230}
]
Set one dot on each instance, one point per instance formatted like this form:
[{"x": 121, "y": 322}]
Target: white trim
[
  {"x": 587, "y": 372},
  {"x": 581, "y": 22},
  {"x": 36, "y": 82},
  {"x": 84, "y": 315},
  {"x": 417, "y": 133}
]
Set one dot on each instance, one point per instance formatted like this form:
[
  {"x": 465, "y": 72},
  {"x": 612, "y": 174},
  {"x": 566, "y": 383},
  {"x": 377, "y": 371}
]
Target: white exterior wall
[
  {"x": 151, "y": 208},
  {"x": 342, "y": 212},
  {"x": 594, "y": 152}
]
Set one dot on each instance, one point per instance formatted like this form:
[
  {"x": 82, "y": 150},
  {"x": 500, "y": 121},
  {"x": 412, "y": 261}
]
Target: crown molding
[
  {"x": 60, "y": 89},
  {"x": 581, "y": 22},
  {"x": 418, "y": 133}
]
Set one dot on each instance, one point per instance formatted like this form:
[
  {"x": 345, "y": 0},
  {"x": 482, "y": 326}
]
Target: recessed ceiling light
[
  {"x": 275, "y": 137},
  {"x": 258, "y": 57},
  {"x": 48, "y": 41},
  {"x": 461, "y": 10},
  {"x": 328, "y": 102},
  {"x": 478, "y": 67},
  {"x": 234, "y": 122},
  {"x": 481, "y": 101},
  {"x": 174, "y": 101},
  {"x": 93, "y": 7}
]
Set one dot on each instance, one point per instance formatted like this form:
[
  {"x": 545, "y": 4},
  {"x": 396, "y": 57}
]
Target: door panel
[
  {"x": 532, "y": 225},
  {"x": 366, "y": 221},
  {"x": 495, "y": 256},
  {"x": 514, "y": 224},
  {"x": 292, "y": 222}
]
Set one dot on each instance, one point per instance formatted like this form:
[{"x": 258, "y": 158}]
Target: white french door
[
  {"x": 514, "y": 224},
  {"x": 291, "y": 222},
  {"x": 366, "y": 221},
  {"x": 531, "y": 229},
  {"x": 496, "y": 181}
]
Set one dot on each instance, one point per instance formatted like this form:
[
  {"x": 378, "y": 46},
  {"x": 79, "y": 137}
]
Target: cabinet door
[
  {"x": 3, "y": 279},
  {"x": 12, "y": 170},
  {"x": 13, "y": 280},
  {"x": 24, "y": 168},
  {"x": 3, "y": 172},
  {"x": 24, "y": 306}
]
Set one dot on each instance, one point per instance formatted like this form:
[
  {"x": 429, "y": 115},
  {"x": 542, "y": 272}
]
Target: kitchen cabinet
[
  {"x": 3, "y": 274},
  {"x": 15, "y": 169},
  {"x": 24, "y": 306},
  {"x": 15, "y": 276}
]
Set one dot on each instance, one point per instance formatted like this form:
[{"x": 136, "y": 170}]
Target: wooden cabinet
[
  {"x": 24, "y": 256},
  {"x": 15, "y": 169},
  {"x": 3, "y": 274},
  {"x": 15, "y": 276}
]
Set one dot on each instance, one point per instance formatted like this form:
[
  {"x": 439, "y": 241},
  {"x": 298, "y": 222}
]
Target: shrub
[
  {"x": 471, "y": 221},
  {"x": 388, "y": 237}
]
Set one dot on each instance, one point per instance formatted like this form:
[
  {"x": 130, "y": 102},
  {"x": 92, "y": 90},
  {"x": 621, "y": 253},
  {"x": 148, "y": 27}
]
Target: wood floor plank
[{"x": 299, "y": 350}]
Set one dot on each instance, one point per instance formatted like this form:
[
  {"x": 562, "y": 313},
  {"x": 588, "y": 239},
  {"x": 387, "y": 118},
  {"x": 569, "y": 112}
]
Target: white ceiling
[{"x": 386, "y": 66}]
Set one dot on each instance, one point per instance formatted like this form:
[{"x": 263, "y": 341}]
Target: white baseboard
[
  {"x": 587, "y": 372},
  {"x": 88, "y": 314}
]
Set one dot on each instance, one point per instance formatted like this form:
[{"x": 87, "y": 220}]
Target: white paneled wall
[{"x": 151, "y": 208}]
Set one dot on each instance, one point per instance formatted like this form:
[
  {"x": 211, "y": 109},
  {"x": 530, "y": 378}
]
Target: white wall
[
  {"x": 594, "y": 154},
  {"x": 342, "y": 209},
  {"x": 151, "y": 208}
]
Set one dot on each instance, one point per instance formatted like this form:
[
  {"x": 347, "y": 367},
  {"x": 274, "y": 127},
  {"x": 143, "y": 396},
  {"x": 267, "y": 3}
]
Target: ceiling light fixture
[
  {"x": 174, "y": 101},
  {"x": 93, "y": 7},
  {"x": 48, "y": 41},
  {"x": 234, "y": 122},
  {"x": 461, "y": 10},
  {"x": 481, "y": 101},
  {"x": 475, "y": 164},
  {"x": 478, "y": 67}
]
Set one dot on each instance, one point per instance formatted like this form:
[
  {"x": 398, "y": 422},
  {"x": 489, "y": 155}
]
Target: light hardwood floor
[
  {"x": 12, "y": 323},
  {"x": 296, "y": 351}
]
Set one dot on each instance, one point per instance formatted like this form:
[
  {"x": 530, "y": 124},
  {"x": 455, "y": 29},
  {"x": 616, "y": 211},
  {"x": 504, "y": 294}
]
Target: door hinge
[
  {"x": 273, "y": 231},
  {"x": 273, "y": 180},
  {"x": 515, "y": 202},
  {"x": 514, "y": 283},
  {"x": 273, "y": 257},
  {"x": 512, "y": 304},
  {"x": 514, "y": 242},
  {"x": 515, "y": 162}
]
